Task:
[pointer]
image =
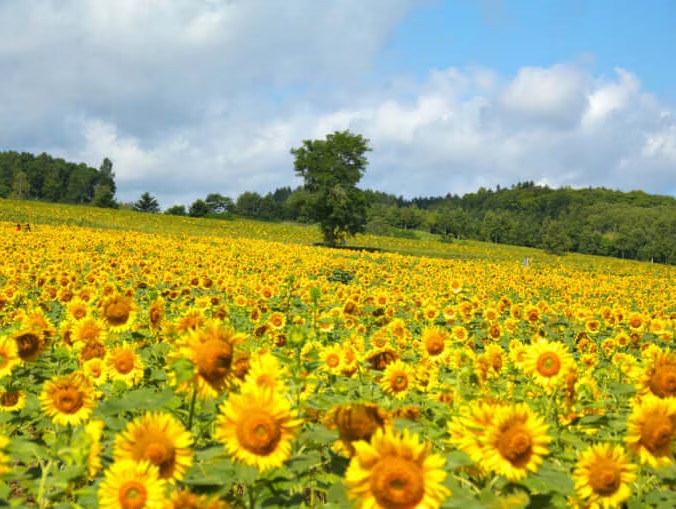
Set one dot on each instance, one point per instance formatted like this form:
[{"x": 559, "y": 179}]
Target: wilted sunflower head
[
  {"x": 357, "y": 421},
  {"x": 30, "y": 343}
]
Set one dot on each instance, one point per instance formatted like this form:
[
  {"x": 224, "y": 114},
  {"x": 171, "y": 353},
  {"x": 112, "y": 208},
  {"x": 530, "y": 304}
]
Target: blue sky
[
  {"x": 189, "y": 97},
  {"x": 509, "y": 34}
]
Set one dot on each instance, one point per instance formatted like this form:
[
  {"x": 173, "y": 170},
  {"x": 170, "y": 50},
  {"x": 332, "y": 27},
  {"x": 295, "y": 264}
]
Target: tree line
[{"x": 600, "y": 221}]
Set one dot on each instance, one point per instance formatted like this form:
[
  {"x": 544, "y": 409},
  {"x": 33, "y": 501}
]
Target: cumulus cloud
[{"x": 189, "y": 98}]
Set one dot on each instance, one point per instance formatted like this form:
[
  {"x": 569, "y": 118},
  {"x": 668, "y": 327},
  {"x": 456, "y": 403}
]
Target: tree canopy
[
  {"x": 147, "y": 203},
  {"x": 331, "y": 169}
]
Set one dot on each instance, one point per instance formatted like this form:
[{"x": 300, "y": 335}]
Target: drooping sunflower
[
  {"x": 659, "y": 375},
  {"x": 515, "y": 442},
  {"x": 211, "y": 349},
  {"x": 30, "y": 343},
  {"x": 547, "y": 362},
  {"x": 397, "y": 379},
  {"x": 257, "y": 427},
  {"x": 94, "y": 431},
  {"x": 160, "y": 439},
  {"x": 132, "y": 485},
  {"x": 9, "y": 356},
  {"x": 395, "y": 470},
  {"x": 68, "y": 399},
  {"x": 156, "y": 314},
  {"x": 357, "y": 421},
  {"x": 651, "y": 430},
  {"x": 602, "y": 476},
  {"x": 123, "y": 363},
  {"x": 118, "y": 311}
]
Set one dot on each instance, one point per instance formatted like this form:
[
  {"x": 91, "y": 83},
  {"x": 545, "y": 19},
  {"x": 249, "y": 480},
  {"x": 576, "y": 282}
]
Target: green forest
[{"x": 632, "y": 225}]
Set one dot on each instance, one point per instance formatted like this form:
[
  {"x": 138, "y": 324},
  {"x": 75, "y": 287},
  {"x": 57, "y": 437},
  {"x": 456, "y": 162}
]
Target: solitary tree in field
[
  {"x": 147, "y": 203},
  {"x": 332, "y": 168}
]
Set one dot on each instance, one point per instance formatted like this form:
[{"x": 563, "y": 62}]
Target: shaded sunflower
[
  {"x": 160, "y": 439},
  {"x": 211, "y": 350},
  {"x": 380, "y": 358},
  {"x": 548, "y": 362},
  {"x": 156, "y": 314},
  {"x": 602, "y": 476},
  {"x": 30, "y": 343},
  {"x": 395, "y": 471},
  {"x": 651, "y": 430},
  {"x": 186, "y": 499},
  {"x": 659, "y": 375},
  {"x": 132, "y": 485},
  {"x": 515, "y": 442},
  {"x": 118, "y": 311},
  {"x": 398, "y": 378},
  {"x": 123, "y": 363},
  {"x": 12, "y": 400},
  {"x": 67, "y": 399},
  {"x": 9, "y": 356},
  {"x": 357, "y": 421},
  {"x": 257, "y": 427}
]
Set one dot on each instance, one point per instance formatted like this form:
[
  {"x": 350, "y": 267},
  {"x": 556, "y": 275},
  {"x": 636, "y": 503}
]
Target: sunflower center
[
  {"x": 214, "y": 359},
  {"x": 399, "y": 382},
  {"x": 9, "y": 398},
  {"x": 548, "y": 364},
  {"x": 434, "y": 345},
  {"x": 117, "y": 313},
  {"x": 397, "y": 483},
  {"x": 132, "y": 495},
  {"x": 162, "y": 455},
  {"x": 657, "y": 434},
  {"x": 28, "y": 345},
  {"x": 79, "y": 313},
  {"x": 605, "y": 479},
  {"x": 4, "y": 360},
  {"x": 515, "y": 445},
  {"x": 663, "y": 381},
  {"x": 68, "y": 400},
  {"x": 124, "y": 362},
  {"x": 332, "y": 360},
  {"x": 259, "y": 433}
]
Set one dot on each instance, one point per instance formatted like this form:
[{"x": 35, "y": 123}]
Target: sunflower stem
[
  {"x": 251, "y": 495},
  {"x": 192, "y": 408}
]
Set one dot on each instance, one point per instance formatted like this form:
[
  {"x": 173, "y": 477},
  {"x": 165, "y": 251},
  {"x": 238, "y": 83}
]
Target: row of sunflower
[{"x": 145, "y": 370}]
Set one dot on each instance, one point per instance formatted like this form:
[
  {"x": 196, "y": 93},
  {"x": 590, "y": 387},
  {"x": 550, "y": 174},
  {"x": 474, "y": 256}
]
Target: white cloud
[{"x": 192, "y": 97}]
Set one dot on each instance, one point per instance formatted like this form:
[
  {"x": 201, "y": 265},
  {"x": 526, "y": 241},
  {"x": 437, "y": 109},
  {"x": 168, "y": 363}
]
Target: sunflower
[
  {"x": 12, "y": 400},
  {"x": 77, "y": 309},
  {"x": 30, "y": 343},
  {"x": 94, "y": 430},
  {"x": 257, "y": 427},
  {"x": 548, "y": 362},
  {"x": 468, "y": 430},
  {"x": 651, "y": 430},
  {"x": 160, "y": 439},
  {"x": 265, "y": 371},
  {"x": 435, "y": 342},
  {"x": 9, "y": 356},
  {"x": 357, "y": 421},
  {"x": 191, "y": 320},
  {"x": 659, "y": 375},
  {"x": 67, "y": 399},
  {"x": 332, "y": 358},
  {"x": 4, "y": 458},
  {"x": 123, "y": 363},
  {"x": 186, "y": 499},
  {"x": 156, "y": 315},
  {"x": 132, "y": 485},
  {"x": 94, "y": 369},
  {"x": 211, "y": 350},
  {"x": 118, "y": 311},
  {"x": 395, "y": 471},
  {"x": 515, "y": 442},
  {"x": 88, "y": 329},
  {"x": 379, "y": 359},
  {"x": 460, "y": 334},
  {"x": 602, "y": 476},
  {"x": 398, "y": 378},
  {"x": 277, "y": 320}
]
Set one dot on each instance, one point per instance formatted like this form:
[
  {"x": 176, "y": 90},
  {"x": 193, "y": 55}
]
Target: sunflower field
[{"x": 149, "y": 361}]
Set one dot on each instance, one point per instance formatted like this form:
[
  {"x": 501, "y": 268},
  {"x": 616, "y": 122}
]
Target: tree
[
  {"x": 147, "y": 203},
  {"x": 176, "y": 210},
  {"x": 21, "y": 186},
  {"x": 331, "y": 169},
  {"x": 218, "y": 204},
  {"x": 249, "y": 203},
  {"x": 107, "y": 175},
  {"x": 199, "y": 208},
  {"x": 555, "y": 240},
  {"x": 104, "y": 197}
]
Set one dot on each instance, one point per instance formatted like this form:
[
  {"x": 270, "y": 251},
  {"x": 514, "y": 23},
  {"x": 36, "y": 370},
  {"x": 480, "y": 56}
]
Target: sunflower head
[
  {"x": 651, "y": 430},
  {"x": 358, "y": 421},
  {"x": 659, "y": 377},
  {"x": 603, "y": 475},
  {"x": 118, "y": 311},
  {"x": 68, "y": 399}
]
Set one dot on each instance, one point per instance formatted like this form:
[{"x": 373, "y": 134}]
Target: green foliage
[
  {"x": 176, "y": 210},
  {"x": 147, "y": 203},
  {"x": 331, "y": 170},
  {"x": 199, "y": 208},
  {"x": 104, "y": 197}
]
